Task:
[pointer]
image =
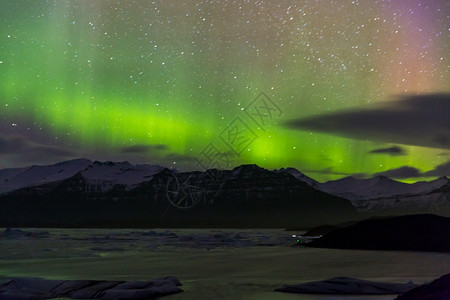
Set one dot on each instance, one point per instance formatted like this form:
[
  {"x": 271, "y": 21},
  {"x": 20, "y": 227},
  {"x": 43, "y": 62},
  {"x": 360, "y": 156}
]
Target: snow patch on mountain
[
  {"x": 378, "y": 187},
  {"x": 381, "y": 194},
  {"x": 300, "y": 176},
  {"x": 108, "y": 174},
  {"x": 13, "y": 179},
  {"x": 356, "y": 189}
]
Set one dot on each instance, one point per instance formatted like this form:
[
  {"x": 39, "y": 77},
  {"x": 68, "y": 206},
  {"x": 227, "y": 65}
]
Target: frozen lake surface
[{"x": 211, "y": 263}]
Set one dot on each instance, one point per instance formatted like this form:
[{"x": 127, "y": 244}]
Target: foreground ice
[
  {"x": 38, "y": 288},
  {"x": 34, "y": 243},
  {"x": 219, "y": 264},
  {"x": 19, "y": 233},
  {"x": 348, "y": 286}
]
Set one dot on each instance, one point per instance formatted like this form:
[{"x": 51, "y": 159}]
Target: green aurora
[{"x": 168, "y": 77}]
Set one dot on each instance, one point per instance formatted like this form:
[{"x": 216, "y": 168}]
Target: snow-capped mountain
[
  {"x": 13, "y": 179},
  {"x": 300, "y": 176},
  {"x": 378, "y": 187},
  {"x": 108, "y": 174},
  {"x": 102, "y": 174},
  {"x": 381, "y": 195},
  {"x": 120, "y": 194},
  {"x": 356, "y": 189},
  {"x": 245, "y": 196}
]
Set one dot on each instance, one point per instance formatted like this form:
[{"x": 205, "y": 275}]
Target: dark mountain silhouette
[
  {"x": 438, "y": 289},
  {"x": 247, "y": 196}
]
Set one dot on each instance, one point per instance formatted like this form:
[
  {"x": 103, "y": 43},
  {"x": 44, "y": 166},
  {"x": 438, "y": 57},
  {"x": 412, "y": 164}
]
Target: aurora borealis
[{"x": 158, "y": 81}]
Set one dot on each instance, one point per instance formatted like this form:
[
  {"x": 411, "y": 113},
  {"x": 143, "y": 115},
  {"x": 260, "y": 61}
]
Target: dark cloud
[
  {"x": 330, "y": 171},
  {"x": 398, "y": 173},
  {"x": 12, "y": 145},
  {"x": 144, "y": 148},
  {"x": 20, "y": 150},
  {"x": 441, "y": 170},
  {"x": 401, "y": 173},
  {"x": 420, "y": 120},
  {"x": 447, "y": 153},
  {"x": 52, "y": 151},
  {"x": 178, "y": 157},
  {"x": 395, "y": 150},
  {"x": 19, "y": 145},
  {"x": 410, "y": 172}
]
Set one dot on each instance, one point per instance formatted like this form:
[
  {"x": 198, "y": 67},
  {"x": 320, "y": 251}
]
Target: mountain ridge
[
  {"x": 113, "y": 182},
  {"x": 246, "y": 196},
  {"x": 81, "y": 164}
]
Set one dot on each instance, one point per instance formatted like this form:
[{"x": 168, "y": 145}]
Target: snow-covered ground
[{"x": 211, "y": 263}]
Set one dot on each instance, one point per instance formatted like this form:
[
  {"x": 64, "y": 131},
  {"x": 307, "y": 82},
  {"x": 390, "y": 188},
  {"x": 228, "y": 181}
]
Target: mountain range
[
  {"x": 381, "y": 195},
  {"x": 80, "y": 193}
]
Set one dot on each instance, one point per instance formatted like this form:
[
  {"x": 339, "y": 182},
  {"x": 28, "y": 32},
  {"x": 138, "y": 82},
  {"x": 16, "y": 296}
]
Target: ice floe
[
  {"x": 348, "y": 286},
  {"x": 38, "y": 288}
]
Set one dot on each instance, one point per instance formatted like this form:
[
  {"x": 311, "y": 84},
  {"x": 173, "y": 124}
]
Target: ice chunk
[
  {"x": 345, "y": 285},
  {"x": 38, "y": 288},
  {"x": 19, "y": 233}
]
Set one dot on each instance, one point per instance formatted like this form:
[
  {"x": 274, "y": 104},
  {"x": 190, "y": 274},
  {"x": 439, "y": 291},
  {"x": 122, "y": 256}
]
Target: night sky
[{"x": 332, "y": 88}]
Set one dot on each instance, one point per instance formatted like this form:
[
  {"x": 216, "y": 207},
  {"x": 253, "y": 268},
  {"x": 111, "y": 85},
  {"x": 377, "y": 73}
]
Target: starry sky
[{"x": 332, "y": 88}]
